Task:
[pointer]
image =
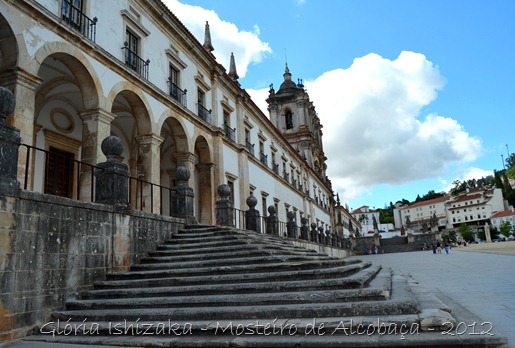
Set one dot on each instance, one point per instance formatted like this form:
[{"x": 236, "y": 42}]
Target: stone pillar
[
  {"x": 321, "y": 235},
  {"x": 9, "y": 142},
  {"x": 24, "y": 86},
  {"x": 252, "y": 218},
  {"x": 272, "y": 224},
  {"x": 304, "y": 230},
  {"x": 149, "y": 161},
  {"x": 182, "y": 196},
  {"x": 96, "y": 125},
  {"x": 291, "y": 226},
  {"x": 224, "y": 208},
  {"x": 188, "y": 160},
  {"x": 488, "y": 236},
  {"x": 205, "y": 195},
  {"x": 314, "y": 232},
  {"x": 112, "y": 176}
]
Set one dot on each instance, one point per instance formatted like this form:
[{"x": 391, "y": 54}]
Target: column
[
  {"x": 205, "y": 195},
  {"x": 96, "y": 126},
  {"x": 24, "y": 85},
  {"x": 149, "y": 169}
]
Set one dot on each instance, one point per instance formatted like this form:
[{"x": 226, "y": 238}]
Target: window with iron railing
[
  {"x": 204, "y": 114},
  {"x": 230, "y": 132},
  {"x": 294, "y": 183},
  {"x": 263, "y": 158},
  {"x": 72, "y": 15},
  {"x": 249, "y": 146},
  {"x": 275, "y": 167},
  {"x": 286, "y": 176},
  {"x": 132, "y": 60},
  {"x": 177, "y": 93}
]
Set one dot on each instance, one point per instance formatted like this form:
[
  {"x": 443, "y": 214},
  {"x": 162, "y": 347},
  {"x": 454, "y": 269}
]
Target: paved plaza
[{"x": 479, "y": 278}]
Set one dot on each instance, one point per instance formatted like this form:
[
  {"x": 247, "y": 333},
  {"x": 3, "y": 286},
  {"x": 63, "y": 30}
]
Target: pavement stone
[{"x": 479, "y": 279}]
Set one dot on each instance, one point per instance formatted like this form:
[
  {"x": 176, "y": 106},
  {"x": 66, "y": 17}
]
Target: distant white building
[
  {"x": 474, "y": 207},
  {"x": 498, "y": 219},
  {"x": 421, "y": 213},
  {"x": 365, "y": 216}
]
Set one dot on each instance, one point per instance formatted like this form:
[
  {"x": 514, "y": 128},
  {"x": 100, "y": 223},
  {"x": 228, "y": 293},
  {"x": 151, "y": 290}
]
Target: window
[
  {"x": 201, "y": 97},
  {"x": 288, "y": 118},
  {"x": 264, "y": 207},
  {"x": 131, "y": 52},
  {"x": 71, "y": 11},
  {"x": 174, "y": 81},
  {"x": 230, "y": 183}
]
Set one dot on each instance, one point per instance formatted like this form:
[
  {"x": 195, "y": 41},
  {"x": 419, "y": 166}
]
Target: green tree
[
  {"x": 449, "y": 236},
  {"x": 498, "y": 180},
  {"x": 510, "y": 161},
  {"x": 466, "y": 233},
  {"x": 505, "y": 228}
]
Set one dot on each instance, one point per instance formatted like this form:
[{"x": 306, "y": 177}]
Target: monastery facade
[{"x": 82, "y": 70}]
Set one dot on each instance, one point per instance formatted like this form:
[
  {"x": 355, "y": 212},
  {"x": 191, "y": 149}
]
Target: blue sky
[{"x": 412, "y": 94}]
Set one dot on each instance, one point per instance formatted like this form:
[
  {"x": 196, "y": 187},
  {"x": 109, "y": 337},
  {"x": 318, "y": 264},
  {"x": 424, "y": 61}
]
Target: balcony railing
[
  {"x": 177, "y": 93},
  {"x": 249, "y": 146},
  {"x": 275, "y": 167},
  {"x": 286, "y": 176},
  {"x": 134, "y": 62},
  {"x": 76, "y": 19},
  {"x": 294, "y": 183},
  {"x": 204, "y": 114},
  {"x": 263, "y": 158},
  {"x": 230, "y": 132}
]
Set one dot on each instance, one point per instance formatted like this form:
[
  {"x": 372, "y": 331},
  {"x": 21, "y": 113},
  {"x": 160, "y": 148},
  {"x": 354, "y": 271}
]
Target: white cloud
[
  {"x": 374, "y": 132},
  {"x": 225, "y": 36}
]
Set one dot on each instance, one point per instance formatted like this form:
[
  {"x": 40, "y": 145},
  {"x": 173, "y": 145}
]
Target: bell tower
[{"x": 294, "y": 115}]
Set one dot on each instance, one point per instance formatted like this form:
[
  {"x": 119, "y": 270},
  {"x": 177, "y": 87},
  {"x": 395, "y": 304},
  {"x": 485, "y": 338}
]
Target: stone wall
[{"x": 53, "y": 247}]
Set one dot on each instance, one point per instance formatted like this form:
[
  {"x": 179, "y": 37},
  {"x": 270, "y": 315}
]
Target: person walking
[
  {"x": 447, "y": 248},
  {"x": 434, "y": 248},
  {"x": 439, "y": 248}
]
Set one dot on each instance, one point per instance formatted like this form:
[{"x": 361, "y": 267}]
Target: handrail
[{"x": 76, "y": 189}]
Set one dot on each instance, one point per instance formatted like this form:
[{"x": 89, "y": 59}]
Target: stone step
[
  {"x": 234, "y": 269},
  {"x": 270, "y": 298},
  {"x": 325, "y": 273},
  {"x": 212, "y": 250},
  {"x": 281, "y": 311},
  {"x": 229, "y": 262},
  {"x": 198, "y": 257},
  {"x": 202, "y": 240},
  {"x": 354, "y": 281},
  {"x": 169, "y": 245}
]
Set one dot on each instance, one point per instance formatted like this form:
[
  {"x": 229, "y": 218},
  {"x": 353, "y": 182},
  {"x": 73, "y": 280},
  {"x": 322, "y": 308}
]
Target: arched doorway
[
  {"x": 132, "y": 125},
  {"x": 175, "y": 142},
  {"x": 66, "y": 93}
]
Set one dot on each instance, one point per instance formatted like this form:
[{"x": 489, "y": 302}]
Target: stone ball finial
[
  {"x": 290, "y": 215},
  {"x": 251, "y": 201},
  {"x": 321, "y": 229},
  {"x": 7, "y": 103},
  {"x": 303, "y": 221},
  {"x": 313, "y": 226},
  {"x": 182, "y": 174},
  {"x": 224, "y": 191},
  {"x": 112, "y": 147},
  {"x": 271, "y": 210}
]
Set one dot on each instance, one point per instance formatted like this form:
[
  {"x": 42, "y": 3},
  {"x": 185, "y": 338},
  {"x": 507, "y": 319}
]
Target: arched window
[{"x": 288, "y": 117}]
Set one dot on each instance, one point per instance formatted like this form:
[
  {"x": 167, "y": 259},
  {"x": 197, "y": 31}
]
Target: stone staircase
[{"x": 219, "y": 287}]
